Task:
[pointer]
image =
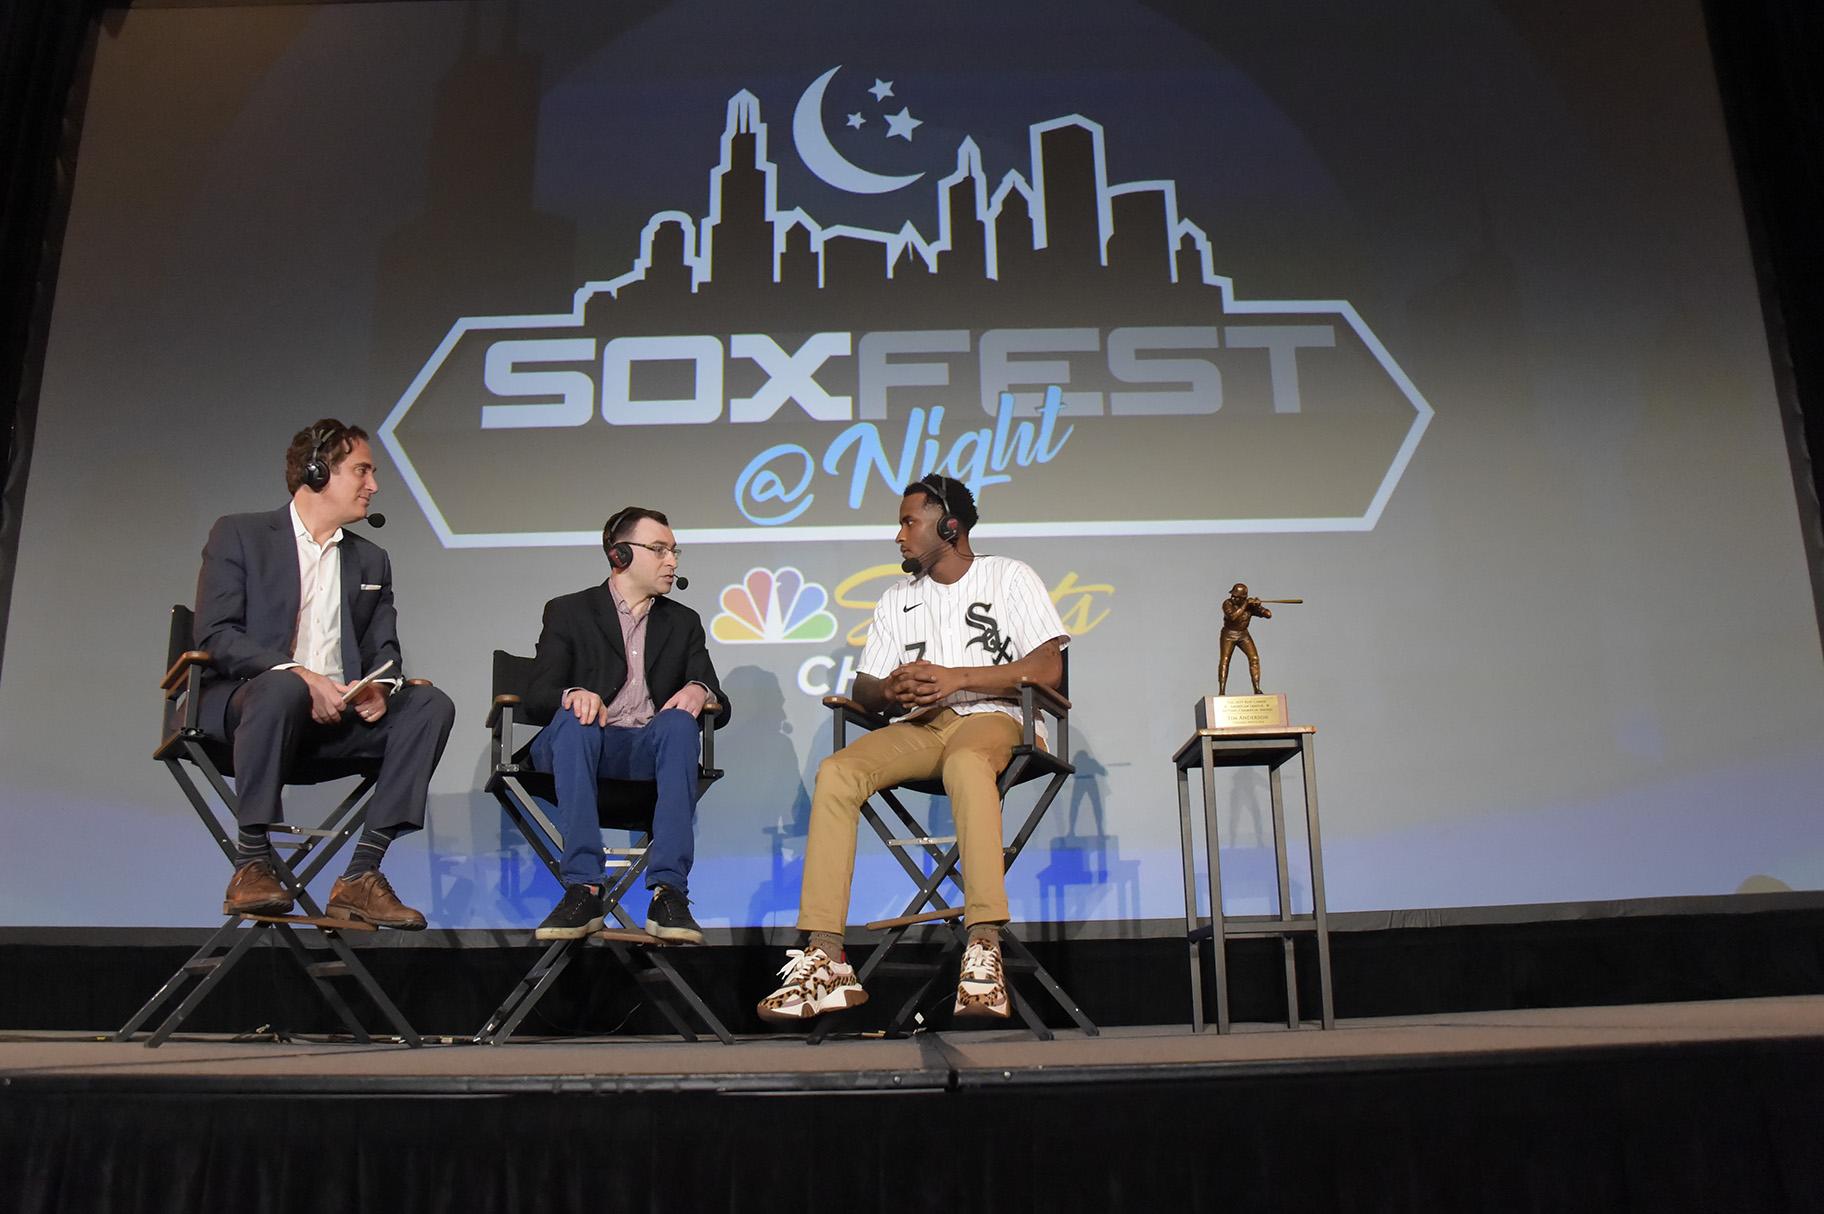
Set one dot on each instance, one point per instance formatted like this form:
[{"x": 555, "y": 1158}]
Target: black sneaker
[
  {"x": 575, "y": 917},
  {"x": 668, "y": 917}
]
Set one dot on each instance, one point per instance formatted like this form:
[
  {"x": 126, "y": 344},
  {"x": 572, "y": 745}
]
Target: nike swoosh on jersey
[{"x": 903, "y": 610}]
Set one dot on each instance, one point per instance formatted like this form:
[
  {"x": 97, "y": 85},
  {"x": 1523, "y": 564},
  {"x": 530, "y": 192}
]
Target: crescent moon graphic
[{"x": 820, "y": 155}]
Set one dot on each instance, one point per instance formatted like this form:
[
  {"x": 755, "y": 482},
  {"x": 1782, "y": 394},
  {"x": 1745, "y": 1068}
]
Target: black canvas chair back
[
  {"x": 627, "y": 805},
  {"x": 179, "y": 719},
  {"x": 915, "y": 850},
  {"x": 202, "y": 765}
]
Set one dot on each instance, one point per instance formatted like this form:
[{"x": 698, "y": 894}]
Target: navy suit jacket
[
  {"x": 247, "y": 606},
  {"x": 580, "y": 645}
]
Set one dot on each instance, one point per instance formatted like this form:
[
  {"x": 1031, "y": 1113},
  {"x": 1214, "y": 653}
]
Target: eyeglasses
[{"x": 659, "y": 550}]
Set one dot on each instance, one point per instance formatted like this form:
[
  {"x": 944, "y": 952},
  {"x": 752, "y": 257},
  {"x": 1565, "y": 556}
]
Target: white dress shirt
[{"x": 318, "y": 636}]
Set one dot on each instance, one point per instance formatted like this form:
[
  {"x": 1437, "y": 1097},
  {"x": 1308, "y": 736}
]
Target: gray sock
[
  {"x": 829, "y": 942},
  {"x": 986, "y": 933},
  {"x": 370, "y": 850},
  {"x": 250, "y": 845}
]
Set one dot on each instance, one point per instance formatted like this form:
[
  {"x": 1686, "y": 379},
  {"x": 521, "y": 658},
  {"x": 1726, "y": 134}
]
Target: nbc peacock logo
[{"x": 773, "y": 606}]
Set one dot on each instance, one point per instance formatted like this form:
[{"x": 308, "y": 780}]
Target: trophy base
[{"x": 1242, "y": 712}]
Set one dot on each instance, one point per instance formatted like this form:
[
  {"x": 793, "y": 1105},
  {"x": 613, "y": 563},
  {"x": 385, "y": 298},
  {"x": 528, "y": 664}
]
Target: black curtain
[
  {"x": 1767, "y": 54},
  {"x": 41, "y": 49},
  {"x": 1708, "y": 1127}
]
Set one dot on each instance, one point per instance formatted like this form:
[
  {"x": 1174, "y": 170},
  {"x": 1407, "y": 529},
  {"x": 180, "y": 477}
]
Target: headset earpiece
[
  {"x": 947, "y": 526},
  {"x": 316, "y": 468},
  {"x": 620, "y": 554}
]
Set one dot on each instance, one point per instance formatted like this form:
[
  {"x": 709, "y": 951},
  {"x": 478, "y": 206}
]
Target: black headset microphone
[{"x": 919, "y": 565}]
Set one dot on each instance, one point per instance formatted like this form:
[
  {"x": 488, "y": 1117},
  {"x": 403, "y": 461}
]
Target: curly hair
[{"x": 327, "y": 438}]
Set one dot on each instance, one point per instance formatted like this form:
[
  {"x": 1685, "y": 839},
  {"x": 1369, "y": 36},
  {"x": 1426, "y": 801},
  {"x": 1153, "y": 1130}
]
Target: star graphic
[
  {"x": 855, "y": 121},
  {"x": 882, "y": 89},
  {"x": 901, "y": 124}
]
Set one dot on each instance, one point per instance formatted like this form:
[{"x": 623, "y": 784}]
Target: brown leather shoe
[
  {"x": 255, "y": 890},
  {"x": 370, "y": 899}
]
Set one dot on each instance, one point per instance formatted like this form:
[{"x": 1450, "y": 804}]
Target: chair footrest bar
[
  {"x": 201, "y": 965},
  {"x": 879, "y": 925},
  {"x": 328, "y": 969},
  {"x": 922, "y": 841},
  {"x": 627, "y": 935},
  {"x": 324, "y": 922}
]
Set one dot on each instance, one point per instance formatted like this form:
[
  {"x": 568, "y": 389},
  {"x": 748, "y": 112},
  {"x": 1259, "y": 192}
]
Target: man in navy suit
[
  {"x": 294, "y": 610},
  {"x": 622, "y": 674}
]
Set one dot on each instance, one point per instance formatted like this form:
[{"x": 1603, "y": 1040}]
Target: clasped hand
[{"x": 922, "y": 684}]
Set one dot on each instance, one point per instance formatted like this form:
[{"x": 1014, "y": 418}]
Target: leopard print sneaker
[
  {"x": 981, "y": 988},
  {"x": 814, "y": 984}
]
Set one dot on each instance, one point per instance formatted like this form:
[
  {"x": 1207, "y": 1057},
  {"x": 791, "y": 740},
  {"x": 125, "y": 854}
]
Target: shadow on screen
[{"x": 1084, "y": 875}]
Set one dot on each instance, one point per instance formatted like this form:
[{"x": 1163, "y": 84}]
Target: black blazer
[
  {"x": 247, "y": 606},
  {"x": 580, "y": 646}
]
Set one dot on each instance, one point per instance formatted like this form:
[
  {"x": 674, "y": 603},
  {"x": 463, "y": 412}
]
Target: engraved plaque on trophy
[{"x": 1242, "y": 712}]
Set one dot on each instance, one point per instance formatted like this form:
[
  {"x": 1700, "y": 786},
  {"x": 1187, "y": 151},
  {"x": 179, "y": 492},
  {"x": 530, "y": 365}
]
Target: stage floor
[{"x": 948, "y": 1060}]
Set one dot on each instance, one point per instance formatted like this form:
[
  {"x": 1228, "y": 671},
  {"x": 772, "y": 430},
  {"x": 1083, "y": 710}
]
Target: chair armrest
[
  {"x": 179, "y": 668},
  {"x": 499, "y": 703},
  {"x": 1049, "y": 695},
  {"x": 844, "y": 706},
  {"x": 706, "y": 730}
]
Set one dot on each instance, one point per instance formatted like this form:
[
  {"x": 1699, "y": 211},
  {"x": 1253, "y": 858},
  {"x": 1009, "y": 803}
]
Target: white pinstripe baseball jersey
[{"x": 997, "y": 612}]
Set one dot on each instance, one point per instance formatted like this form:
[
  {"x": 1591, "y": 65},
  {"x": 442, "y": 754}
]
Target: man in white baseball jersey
[{"x": 946, "y": 652}]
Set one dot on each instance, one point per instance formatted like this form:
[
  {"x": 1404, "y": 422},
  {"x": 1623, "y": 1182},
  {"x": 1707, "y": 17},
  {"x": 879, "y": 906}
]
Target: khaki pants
[{"x": 968, "y": 752}]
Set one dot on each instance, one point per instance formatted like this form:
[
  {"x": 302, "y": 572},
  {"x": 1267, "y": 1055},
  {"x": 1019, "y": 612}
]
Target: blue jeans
[{"x": 665, "y": 751}]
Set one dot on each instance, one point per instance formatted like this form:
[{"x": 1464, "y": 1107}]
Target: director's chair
[
  {"x": 187, "y": 751},
  {"x": 1028, "y": 762},
  {"x": 620, "y": 805}
]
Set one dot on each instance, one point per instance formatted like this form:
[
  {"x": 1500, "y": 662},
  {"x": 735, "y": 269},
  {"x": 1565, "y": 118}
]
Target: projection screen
[{"x": 1439, "y": 316}]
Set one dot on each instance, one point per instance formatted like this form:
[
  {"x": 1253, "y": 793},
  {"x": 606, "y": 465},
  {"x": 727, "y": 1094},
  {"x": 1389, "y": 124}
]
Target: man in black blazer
[
  {"x": 294, "y": 610},
  {"x": 622, "y": 674}
]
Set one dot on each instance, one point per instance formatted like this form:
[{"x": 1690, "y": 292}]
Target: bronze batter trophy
[{"x": 1222, "y": 710}]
